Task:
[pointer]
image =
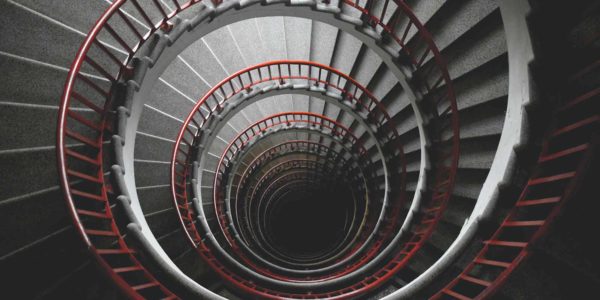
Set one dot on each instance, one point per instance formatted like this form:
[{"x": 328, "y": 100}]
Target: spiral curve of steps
[{"x": 296, "y": 149}]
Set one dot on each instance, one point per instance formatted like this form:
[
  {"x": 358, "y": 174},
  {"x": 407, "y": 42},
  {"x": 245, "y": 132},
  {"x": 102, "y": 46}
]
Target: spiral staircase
[{"x": 299, "y": 149}]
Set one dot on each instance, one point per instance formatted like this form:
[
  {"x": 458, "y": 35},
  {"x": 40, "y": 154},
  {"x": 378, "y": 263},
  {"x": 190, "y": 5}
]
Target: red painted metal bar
[
  {"x": 203, "y": 250},
  {"x": 303, "y": 146},
  {"x": 95, "y": 142},
  {"x": 546, "y": 192},
  {"x": 79, "y": 184},
  {"x": 272, "y": 172},
  {"x": 444, "y": 180},
  {"x": 245, "y": 85},
  {"x": 241, "y": 140},
  {"x": 238, "y": 145}
]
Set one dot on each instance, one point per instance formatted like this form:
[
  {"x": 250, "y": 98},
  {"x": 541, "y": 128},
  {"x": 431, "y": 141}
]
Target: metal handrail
[
  {"x": 444, "y": 175},
  {"x": 217, "y": 186},
  {"x": 279, "y": 71},
  {"x": 288, "y": 148},
  {"x": 76, "y": 77},
  {"x": 81, "y": 174},
  {"x": 260, "y": 258},
  {"x": 294, "y": 146},
  {"x": 256, "y": 130},
  {"x": 567, "y": 152}
]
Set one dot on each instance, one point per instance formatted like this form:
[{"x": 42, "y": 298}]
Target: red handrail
[
  {"x": 293, "y": 145},
  {"x": 445, "y": 175},
  {"x": 568, "y": 149},
  {"x": 67, "y": 171},
  {"x": 81, "y": 173},
  {"x": 243, "y": 138},
  {"x": 208, "y": 255},
  {"x": 276, "y": 70}
]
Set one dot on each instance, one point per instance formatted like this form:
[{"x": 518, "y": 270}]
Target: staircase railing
[
  {"x": 323, "y": 152},
  {"x": 567, "y": 151},
  {"x": 191, "y": 217},
  {"x": 82, "y": 174},
  {"x": 316, "y": 173},
  {"x": 101, "y": 61},
  {"x": 445, "y": 163}
]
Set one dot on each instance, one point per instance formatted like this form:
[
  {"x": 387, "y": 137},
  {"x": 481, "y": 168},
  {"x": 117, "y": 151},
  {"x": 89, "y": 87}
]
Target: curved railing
[
  {"x": 91, "y": 84},
  {"x": 318, "y": 169},
  {"x": 306, "y": 173},
  {"x": 567, "y": 153},
  {"x": 229, "y": 91},
  {"x": 283, "y": 119},
  {"x": 315, "y": 76},
  {"x": 444, "y": 171},
  {"x": 279, "y": 150},
  {"x": 337, "y": 130},
  {"x": 329, "y": 267},
  {"x": 81, "y": 172},
  {"x": 320, "y": 151},
  {"x": 359, "y": 176},
  {"x": 206, "y": 252}
]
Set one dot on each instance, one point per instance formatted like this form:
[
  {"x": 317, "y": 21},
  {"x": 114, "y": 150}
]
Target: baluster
[
  {"x": 130, "y": 25},
  {"x": 139, "y": 8},
  {"x": 118, "y": 38},
  {"x": 160, "y": 9}
]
